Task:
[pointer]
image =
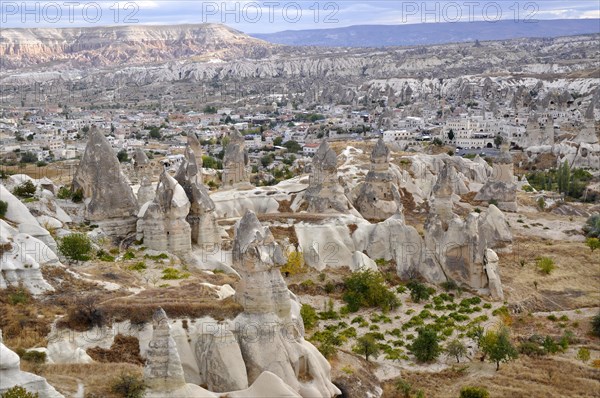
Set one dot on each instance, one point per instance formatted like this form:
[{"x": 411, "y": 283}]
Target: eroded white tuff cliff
[
  {"x": 11, "y": 375},
  {"x": 202, "y": 214},
  {"x": 144, "y": 171},
  {"x": 279, "y": 346},
  {"x": 162, "y": 223},
  {"x": 501, "y": 186},
  {"x": 378, "y": 198},
  {"x": 235, "y": 161},
  {"x": 109, "y": 199},
  {"x": 325, "y": 194}
]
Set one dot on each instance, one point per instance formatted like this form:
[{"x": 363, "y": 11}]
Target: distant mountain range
[{"x": 430, "y": 33}]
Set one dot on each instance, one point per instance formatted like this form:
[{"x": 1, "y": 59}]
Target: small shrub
[
  {"x": 294, "y": 265},
  {"x": 596, "y": 325},
  {"x": 418, "y": 291},
  {"x": 474, "y": 392},
  {"x": 129, "y": 386},
  {"x": 583, "y": 354},
  {"x": 34, "y": 356},
  {"x": 25, "y": 190},
  {"x": 129, "y": 255},
  {"x": 309, "y": 316},
  {"x": 592, "y": 243},
  {"x": 367, "y": 289},
  {"x": 19, "y": 296},
  {"x": 531, "y": 349},
  {"x": 104, "y": 256},
  {"x": 367, "y": 346},
  {"x": 546, "y": 265},
  {"x": 173, "y": 273},
  {"x": 76, "y": 247},
  {"x": 161, "y": 256},
  {"x": 18, "y": 392},
  {"x": 139, "y": 266},
  {"x": 426, "y": 346},
  {"x": 527, "y": 188},
  {"x": 3, "y": 208},
  {"x": 77, "y": 196}
]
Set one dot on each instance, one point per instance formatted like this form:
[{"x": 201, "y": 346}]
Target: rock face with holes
[
  {"x": 144, "y": 172},
  {"x": 325, "y": 194},
  {"x": 456, "y": 246},
  {"x": 378, "y": 198},
  {"x": 279, "y": 347},
  {"x": 235, "y": 162},
  {"x": 109, "y": 200},
  {"x": 501, "y": 186},
  {"x": 11, "y": 375},
  {"x": 162, "y": 222},
  {"x": 201, "y": 217}
]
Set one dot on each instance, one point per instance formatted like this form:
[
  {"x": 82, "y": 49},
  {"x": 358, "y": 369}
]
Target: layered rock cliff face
[
  {"x": 109, "y": 199},
  {"x": 127, "y": 44}
]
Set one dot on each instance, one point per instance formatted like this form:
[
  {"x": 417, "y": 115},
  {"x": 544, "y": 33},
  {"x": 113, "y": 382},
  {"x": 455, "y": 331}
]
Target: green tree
[
  {"x": 18, "y": 392},
  {"x": 592, "y": 226},
  {"x": 498, "y": 140},
  {"x": 25, "y": 190},
  {"x": 451, "y": 135},
  {"x": 437, "y": 142},
  {"x": 76, "y": 247},
  {"x": 277, "y": 141},
  {"x": 593, "y": 243},
  {"x": 564, "y": 178},
  {"x": 155, "y": 133},
  {"x": 497, "y": 346},
  {"x": 266, "y": 160},
  {"x": 418, "y": 291},
  {"x": 426, "y": 346},
  {"x": 367, "y": 346},
  {"x": 29, "y": 157},
  {"x": 596, "y": 325},
  {"x": 367, "y": 289},
  {"x": 3, "y": 208},
  {"x": 456, "y": 349},
  {"x": 474, "y": 392},
  {"x": 293, "y": 146},
  {"x": 122, "y": 156}
]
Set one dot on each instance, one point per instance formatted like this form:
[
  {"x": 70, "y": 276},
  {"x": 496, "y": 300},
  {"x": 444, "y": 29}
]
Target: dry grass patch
[
  {"x": 96, "y": 378},
  {"x": 573, "y": 284},
  {"x": 125, "y": 349},
  {"x": 548, "y": 377}
]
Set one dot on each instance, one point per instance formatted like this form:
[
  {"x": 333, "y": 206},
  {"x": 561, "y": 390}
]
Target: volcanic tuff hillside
[{"x": 136, "y": 44}]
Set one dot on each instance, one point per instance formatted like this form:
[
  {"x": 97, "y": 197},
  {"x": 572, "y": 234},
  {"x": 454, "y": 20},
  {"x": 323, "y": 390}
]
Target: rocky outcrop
[
  {"x": 22, "y": 257},
  {"x": 235, "y": 161},
  {"x": 11, "y": 375},
  {"x": 325, "y": 193},
  {"x": 162, "y": 223},
  {"x": 455, "y": 247},
  {"x": 18, "y": 214},
  {"x": 276, "y": 343},
  {"x": 202, "y": 216},
  {"x": 163, "y": 369},
  {"x": 109, "y": 200},
  {"x": 378, "y": 198},
  {"x": 144, "y": 172},
  {"x": 501, "y": 186},
  {"x": 490, "y": 260}
]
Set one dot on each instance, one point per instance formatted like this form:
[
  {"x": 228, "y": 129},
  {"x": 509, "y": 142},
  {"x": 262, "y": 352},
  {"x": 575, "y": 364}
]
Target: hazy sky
[{"x": 277, "y": 15}]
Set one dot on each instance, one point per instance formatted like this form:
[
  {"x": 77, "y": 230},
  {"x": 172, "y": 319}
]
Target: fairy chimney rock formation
[
  {"x": 163, "y": 371},
  {"x": 501, "y": 187},
  {"x": 325, "y": 193},
  {"x": 378, "y": 198},
  {"x": 202, "y": 216},
  {"x": 163, "y": 222},
  {"x": 109, "y": 200},
  {"x": 144, "y": 172},
  {"x": 235, "y": 161}
]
